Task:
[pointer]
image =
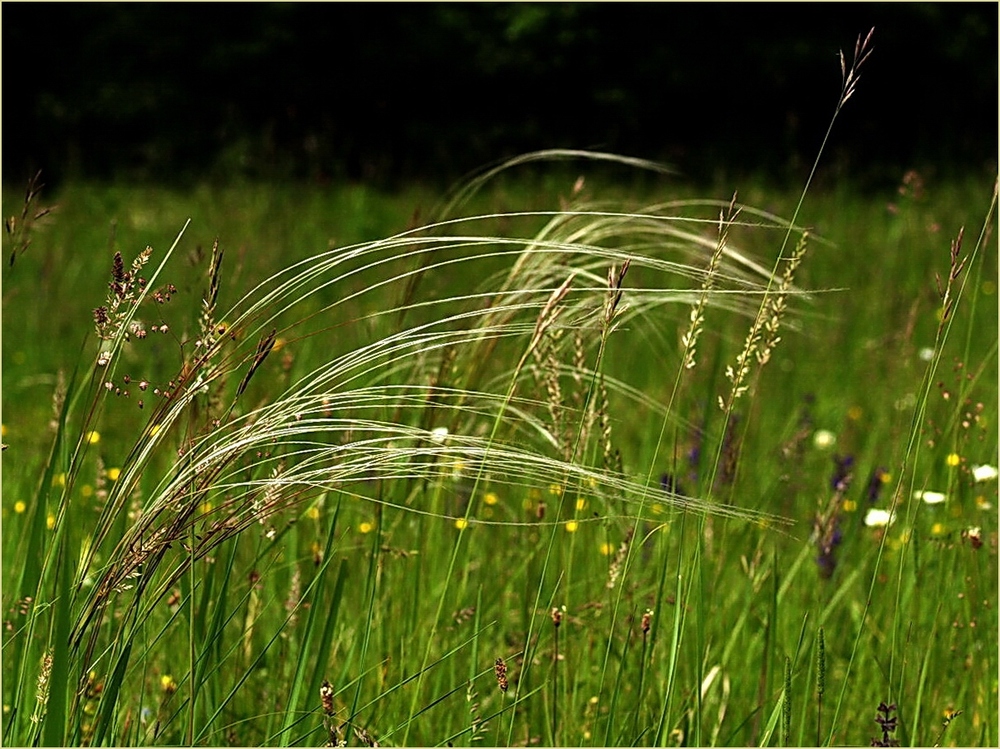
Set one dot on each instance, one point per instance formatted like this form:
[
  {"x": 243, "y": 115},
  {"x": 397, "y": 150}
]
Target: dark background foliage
[{"x": 382, "y": 92}]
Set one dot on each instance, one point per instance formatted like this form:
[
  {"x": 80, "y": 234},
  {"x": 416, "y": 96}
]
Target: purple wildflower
[
  {"x": 842, "y": 475},
  {"x": 875, "y": 483}
]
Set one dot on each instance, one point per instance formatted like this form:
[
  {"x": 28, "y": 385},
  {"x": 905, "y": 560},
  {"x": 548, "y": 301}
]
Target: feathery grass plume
[
  {"x": 124, "y": 289},
  {"x": 850, "y": 77},
  {"x": 615, "y": 568},
  {"x": 264, "y": 347},
  {"x": 777, "y": 301},
  {"x": 42, "y": 688},
  {"x": 581, "y": 403},
  {"x": 697, "y": 318},
  {"x": 737, "y": 374},
  {"x": 19, "y": 228},
  {"x": 547, "y": 372},
  {"x": 616, "y": 277},
  {"x": 206, "y": 322},
  {"x": 478, "y": 727},
  {"x": 954, "y": 271},
  {"x": 363, "y": 735},
  {"x": 210, "y": 334},
  {"x": 763, "y": 334}
]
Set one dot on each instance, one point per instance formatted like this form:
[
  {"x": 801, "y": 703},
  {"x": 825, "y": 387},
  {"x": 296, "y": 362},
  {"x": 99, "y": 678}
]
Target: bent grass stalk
[
  {"x": 210, "y": 462},
  {"x": 360, "y": 426}
]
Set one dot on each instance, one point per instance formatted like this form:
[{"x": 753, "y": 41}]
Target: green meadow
[{"x": 574, "y": 454}]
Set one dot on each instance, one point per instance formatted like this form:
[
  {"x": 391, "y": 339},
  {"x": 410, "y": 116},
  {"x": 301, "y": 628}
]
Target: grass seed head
[
  {"x": 500, "y": 670},
  {"x": 326, "y": 697}
]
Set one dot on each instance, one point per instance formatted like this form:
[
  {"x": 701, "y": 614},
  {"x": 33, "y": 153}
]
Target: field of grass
[{"x": 607, "y": 464}]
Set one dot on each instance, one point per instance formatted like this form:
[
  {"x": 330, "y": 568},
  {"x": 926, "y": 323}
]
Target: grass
[{"x": 423, "y": 483}]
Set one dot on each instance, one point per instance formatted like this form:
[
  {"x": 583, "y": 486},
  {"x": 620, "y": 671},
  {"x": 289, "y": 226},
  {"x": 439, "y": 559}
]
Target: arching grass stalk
[{"x": 363, "y": 411}]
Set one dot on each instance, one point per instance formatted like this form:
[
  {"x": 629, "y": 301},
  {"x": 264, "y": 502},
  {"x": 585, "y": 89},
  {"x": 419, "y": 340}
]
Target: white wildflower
[
  {"x": 878, "y": 518},
  {"x": 984, "y": 473},
  {"x": 439, "y": 435},
  {"x": 824, "y": 439},
  {"x": 930, "y": 498}
]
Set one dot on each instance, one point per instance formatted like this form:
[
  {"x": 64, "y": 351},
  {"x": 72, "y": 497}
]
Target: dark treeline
[{"x": 384, "y": 92}]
